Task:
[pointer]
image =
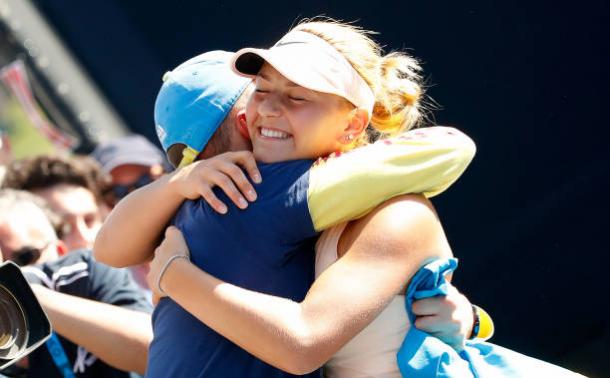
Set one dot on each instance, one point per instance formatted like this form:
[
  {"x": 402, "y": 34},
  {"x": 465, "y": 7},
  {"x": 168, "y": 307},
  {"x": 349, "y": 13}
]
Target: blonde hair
[{"x": 394, "y": 78}]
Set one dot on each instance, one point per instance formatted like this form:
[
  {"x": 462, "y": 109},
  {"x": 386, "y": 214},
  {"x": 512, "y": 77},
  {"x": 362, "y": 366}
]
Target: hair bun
[{"x": 398, "y": 94}]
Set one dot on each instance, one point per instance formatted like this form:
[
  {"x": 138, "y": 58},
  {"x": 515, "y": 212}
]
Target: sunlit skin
[
  {"x": 79, "y": 209},
  {"x": 303, "y": 124},
  {"x": 128, "y": 174}
]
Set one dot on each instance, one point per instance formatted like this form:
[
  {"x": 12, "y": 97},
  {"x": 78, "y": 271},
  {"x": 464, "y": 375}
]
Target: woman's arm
[
  {"x": 384, "y": 249},
  {"x": 132, "y": 230}
]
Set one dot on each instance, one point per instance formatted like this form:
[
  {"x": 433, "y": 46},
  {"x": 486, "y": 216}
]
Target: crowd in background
[{"x": 51, "y": 208}]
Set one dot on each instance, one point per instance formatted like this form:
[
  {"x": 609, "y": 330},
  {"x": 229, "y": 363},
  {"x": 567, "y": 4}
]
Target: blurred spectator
[
  {"x": 100, "y": 315},
  {"x": 131, "y": 162},
  {"x": 20, "y": 213},
  {"x": 74, "y": 189}
]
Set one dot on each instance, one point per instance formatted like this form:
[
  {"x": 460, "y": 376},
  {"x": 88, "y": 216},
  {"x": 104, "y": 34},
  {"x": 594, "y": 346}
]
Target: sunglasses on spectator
[
  {"x": 119, "y": 191},
  {"x": 27, "y": 255}
]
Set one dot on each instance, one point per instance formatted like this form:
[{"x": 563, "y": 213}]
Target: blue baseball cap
[{"x": 194, "y": 100}]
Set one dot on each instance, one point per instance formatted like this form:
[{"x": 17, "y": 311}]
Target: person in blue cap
[{"x": 276, "y": 260}]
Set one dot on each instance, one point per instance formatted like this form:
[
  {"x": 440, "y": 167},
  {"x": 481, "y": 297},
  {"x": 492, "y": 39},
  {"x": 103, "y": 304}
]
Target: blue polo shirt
[{"x": 269, "y": 247}]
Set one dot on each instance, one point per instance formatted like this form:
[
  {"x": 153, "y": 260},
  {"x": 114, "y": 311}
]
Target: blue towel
[{"x": 422, "y": 355}]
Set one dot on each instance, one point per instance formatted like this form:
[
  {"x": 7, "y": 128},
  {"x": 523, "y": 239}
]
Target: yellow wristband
[{"x": 486, "y": 325}]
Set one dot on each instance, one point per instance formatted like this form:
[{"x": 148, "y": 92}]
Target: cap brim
[
  {"x": 311, "y": 63},
  {"x": 248, "y": 62}
]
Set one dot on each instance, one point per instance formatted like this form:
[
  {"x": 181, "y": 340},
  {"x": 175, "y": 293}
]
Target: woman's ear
[
  {"x": 242, "y": 124},
  {"x": 358, "y": 120}
]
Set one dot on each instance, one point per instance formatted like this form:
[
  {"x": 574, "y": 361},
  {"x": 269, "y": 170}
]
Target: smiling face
[{"x": 288, "y": 122}]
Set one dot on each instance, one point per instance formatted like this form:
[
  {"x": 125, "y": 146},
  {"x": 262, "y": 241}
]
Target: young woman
[{"x": 362, "y": 266}]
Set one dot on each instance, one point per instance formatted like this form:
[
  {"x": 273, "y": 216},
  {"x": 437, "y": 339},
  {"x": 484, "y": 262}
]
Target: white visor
[{"x": 310, "y": 62}]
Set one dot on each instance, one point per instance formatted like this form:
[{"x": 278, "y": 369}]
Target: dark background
[{"x": 528, "y": 82}]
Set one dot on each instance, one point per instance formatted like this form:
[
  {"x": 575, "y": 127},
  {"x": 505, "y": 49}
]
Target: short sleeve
[
  {"x": 116, "y": 287},
  {"x": 347, "y": 186},
  {"x": 280, "y": 215}
]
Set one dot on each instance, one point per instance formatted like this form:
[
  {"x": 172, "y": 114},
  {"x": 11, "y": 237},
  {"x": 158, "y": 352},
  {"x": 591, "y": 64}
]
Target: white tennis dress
[{"x": 372, "y": 353}]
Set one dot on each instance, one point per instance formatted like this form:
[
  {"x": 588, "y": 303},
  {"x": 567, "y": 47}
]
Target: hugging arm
[
  {"x": 383, "y": 250},
  {"x": 135, "y": 225},
  {"x": 420, "y": 161}
]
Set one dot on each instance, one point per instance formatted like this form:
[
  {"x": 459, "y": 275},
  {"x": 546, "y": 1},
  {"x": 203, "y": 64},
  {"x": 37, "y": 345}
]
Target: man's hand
[
  {"x": 448, "y": 317},
  {"x": 225, "y": 171},
  {"x": 173, "y": 244}
]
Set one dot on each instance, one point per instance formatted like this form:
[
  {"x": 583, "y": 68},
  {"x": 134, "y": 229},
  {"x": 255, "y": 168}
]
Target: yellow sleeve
[{"x": 347, "y": 186}]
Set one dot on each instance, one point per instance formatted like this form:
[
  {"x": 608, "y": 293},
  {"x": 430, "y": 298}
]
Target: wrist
[
  {"x": 476, "y": 323},
  {"x": 482, "y": 326},
  {"x": 171, "y": 184},
  {"x": 168, "y": 272}
]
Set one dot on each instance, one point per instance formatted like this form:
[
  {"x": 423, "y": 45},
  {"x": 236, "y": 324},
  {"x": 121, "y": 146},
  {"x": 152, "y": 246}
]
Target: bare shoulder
[
  {"x": 401, "y": 225},
  {"x": 406, "y": 210}
]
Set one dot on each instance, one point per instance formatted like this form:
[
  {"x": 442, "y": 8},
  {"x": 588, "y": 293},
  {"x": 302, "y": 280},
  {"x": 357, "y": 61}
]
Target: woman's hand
[
  {"x": 172, "y": 245},
  {"x": 225, "y": 171},
  {"x": 449, "y": 318}
]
